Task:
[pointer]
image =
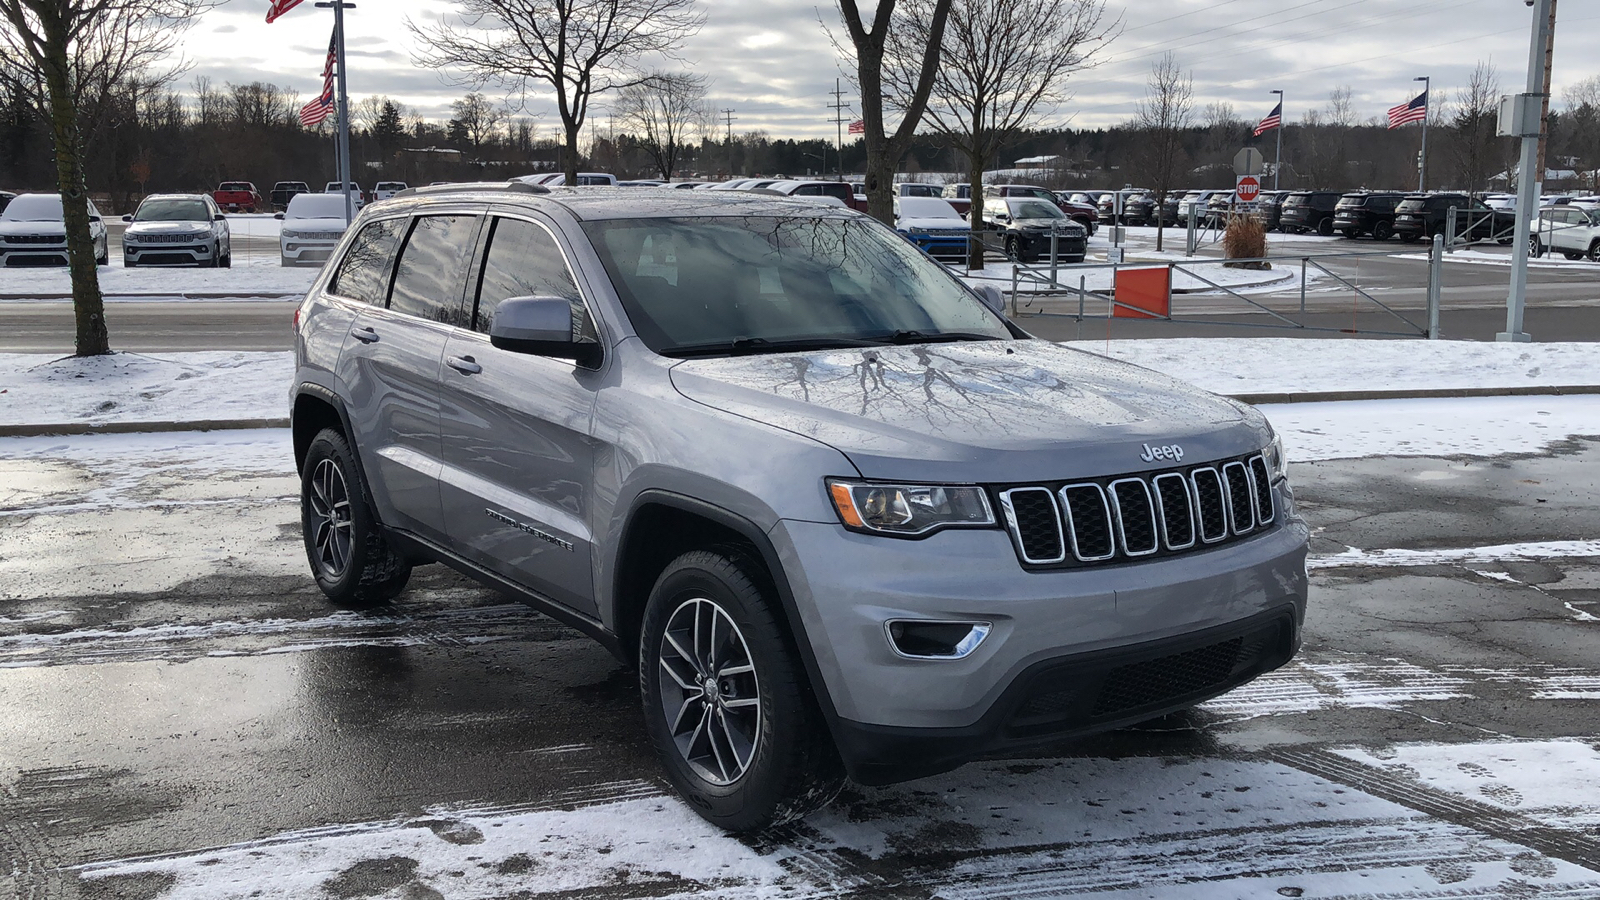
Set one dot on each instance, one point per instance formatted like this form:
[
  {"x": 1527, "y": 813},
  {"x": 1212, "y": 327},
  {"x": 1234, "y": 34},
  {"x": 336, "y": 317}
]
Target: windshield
[
  {"x": 754, "y": 284},
  {"x": 172, "y": 211},
  {"x": 33, "y": 208},
  {"x": 1034, "y": 209},
  {"x": 925, "y": 208},
  {"x": 316, "y": 206}
]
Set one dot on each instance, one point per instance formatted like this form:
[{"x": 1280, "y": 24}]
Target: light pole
[
  {"x": 1277, "y": 165},
  {"x": 1529, "y": 128},
  {"x": 822, "y": 161},
  {"x": 1422, "y": 160},
  {"x": 342, "y": 158}
]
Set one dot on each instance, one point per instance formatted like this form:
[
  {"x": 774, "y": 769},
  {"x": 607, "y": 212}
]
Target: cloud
[{"x": 772, "y": 63}]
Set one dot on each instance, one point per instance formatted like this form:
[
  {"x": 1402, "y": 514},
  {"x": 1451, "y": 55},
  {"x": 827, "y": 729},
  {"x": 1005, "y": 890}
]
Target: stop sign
[{"x": 1248, "y": 189}]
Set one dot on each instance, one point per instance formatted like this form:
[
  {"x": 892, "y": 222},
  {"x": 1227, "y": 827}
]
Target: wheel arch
[{"x": 315, "y": 408}]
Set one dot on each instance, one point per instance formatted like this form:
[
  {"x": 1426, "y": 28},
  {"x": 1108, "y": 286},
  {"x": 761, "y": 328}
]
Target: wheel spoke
[
  {"x": 736, "y": 670},
  {"x": 741, "y": 760},
  {"x": 742, "y": 702},
  {"x": 677, "y": 722},
  {"x": 684, "y": 654},
  {"x": 707, "y": 674},
  {"x": 685, "y": 684},
  {"x": 720, "y": 724}
]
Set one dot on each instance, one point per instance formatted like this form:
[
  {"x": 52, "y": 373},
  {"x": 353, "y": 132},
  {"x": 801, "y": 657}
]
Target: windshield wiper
[
  {"x": 750, "y": 346},
  {"x": 938, "y": 337}
]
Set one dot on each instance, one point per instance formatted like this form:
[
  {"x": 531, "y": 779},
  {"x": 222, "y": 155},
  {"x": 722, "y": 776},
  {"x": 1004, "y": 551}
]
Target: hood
[
  {"x": 931, "y": 224},
  {"x": 35, "y": 229},
  {"x": 977, "y": 411},
  {"x": 168, "y": 228}
]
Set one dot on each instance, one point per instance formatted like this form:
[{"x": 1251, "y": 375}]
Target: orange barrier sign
[{"x": 1147, "y": 291}]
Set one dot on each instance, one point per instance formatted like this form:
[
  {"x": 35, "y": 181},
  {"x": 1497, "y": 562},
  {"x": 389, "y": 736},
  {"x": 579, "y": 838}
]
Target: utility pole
[
  {"x": 1532, "y": 133},
  {"x": 1422, "y": 158},
  {"x": 1544, "y": 115},
  {"x": 343, "y": 161},
  {"x": 728, "y": 117},
  {"x": 1277, "y": 167},
  {"x": 839, "y": 106}
]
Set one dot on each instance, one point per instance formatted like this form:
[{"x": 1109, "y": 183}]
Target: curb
[
  {"x": 157, "y": 297},
  {"x": 1421, "y": 394},
  {"x": 76, "y": 428}
]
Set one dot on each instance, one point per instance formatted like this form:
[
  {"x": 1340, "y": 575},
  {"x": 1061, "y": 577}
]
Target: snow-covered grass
[
  {"x": 1488, "y": 258},
  {"x": 140, "y": 387},
  {"x": 1479, "y": 426}
]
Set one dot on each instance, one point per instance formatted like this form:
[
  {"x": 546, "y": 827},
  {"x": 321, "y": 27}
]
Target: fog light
[{"x": 921, "y": 639}]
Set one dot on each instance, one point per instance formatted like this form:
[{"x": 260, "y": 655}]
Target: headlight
[
  {"x": 1277, "y": 463},
  {"x": 908, "y": 510}
]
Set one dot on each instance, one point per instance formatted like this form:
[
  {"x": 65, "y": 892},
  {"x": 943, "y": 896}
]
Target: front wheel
[
  {"x": 1594, "y": 252},
  {"x": 1013, "y": 249},
  {"x": 349, "y": 556},
  {"x": 726, "y": 703},
  {"x": 1535, "y": 249}
]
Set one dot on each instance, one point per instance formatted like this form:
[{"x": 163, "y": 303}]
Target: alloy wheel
[
  {"x": 708, "y": 691},
  {"x": 330, "y": 508}
]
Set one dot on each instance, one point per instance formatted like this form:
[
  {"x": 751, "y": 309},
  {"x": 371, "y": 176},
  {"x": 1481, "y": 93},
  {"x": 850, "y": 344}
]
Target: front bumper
[
  {"x": 195, "y": 254},
  {"x": 306, "y": 252},
  {"x": 17, "y": 256},
  {"x": 941, "y": 246},
  {"x": 1067, "y": 246},
  {"x": 1072, "y": 635}
]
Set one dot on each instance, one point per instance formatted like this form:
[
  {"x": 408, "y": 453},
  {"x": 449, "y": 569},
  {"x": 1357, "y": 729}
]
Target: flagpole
[
  {"x": 1422, "y": 162},
  {"x": 1277, "y": 166},
  {"x": 343, "y": 165}
]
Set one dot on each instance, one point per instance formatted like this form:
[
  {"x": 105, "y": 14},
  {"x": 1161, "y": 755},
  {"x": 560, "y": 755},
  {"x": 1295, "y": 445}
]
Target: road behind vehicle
[
  {"x": 1366, "y": 212},
  {"x": 1572, "y": 231},
  {"x": 312, "y": 227},
  {"x": 933, "y": 224},
  {"x": 284, "y": 191},
  {"x": 1308, "y": 211},
  {"x": 715, "y": 433},
  {"x": 237, "y": 196},
  {"x": 177, "y": 230},
  {"x": 33, "y": 232}
]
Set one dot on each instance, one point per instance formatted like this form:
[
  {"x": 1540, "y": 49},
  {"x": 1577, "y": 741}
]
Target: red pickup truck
[{"x": 237, "y": 196}]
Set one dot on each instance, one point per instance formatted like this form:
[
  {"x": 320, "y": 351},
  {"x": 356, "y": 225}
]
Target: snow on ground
[
  {"x": 144, "y": 387},
  {"x": 252, "y": 276},
  {"x": 1291, "y": 365},
  {"x": 1479, "y": 426},
  {"x": 1485, "y": 258},
  {"x": 1463, "y": 556},
  {"x": 1177, "y": 828}
]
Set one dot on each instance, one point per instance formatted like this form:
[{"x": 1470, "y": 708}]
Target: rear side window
[
  {"x": 364, "y": 272},
  {"x": 427, "y": 279},
  {"x": 524, "y": 261}
]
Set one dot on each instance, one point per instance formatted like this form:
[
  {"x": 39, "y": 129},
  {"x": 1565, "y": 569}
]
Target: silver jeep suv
[{"x": 843, "y": 516}]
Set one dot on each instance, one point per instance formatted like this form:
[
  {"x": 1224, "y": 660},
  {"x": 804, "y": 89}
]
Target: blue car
[{"x": 933, "y": 225}]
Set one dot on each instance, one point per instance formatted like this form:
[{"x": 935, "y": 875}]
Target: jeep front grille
[{"x": 1128, "y": 517}]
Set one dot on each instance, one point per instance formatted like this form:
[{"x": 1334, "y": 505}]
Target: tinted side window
[
  {"x": 364, "y": 273},
  {"x": 427, "y": 280},
  {"x": 524, "y": 261}
]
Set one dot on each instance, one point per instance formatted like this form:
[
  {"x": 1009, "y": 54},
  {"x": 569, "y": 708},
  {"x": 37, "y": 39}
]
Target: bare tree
[
  {"x": 74, "y": 52},
  {"x": 1161, "y": 119},
  {"x": 580, "y": 48},
  {"x": 668, "y": 111},
  {"x": 1583, "y": 110},
  {"x": 867, "y": 51},
  {"x": 1002, "y": 65},
  {"x": 476, "y": 119},
  {"x": 1474, "y": 143}
]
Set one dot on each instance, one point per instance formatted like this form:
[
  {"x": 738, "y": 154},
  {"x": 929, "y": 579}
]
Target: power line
[
  {"x": 838, "y": 106},
  {"x": 728, "y": 117}
]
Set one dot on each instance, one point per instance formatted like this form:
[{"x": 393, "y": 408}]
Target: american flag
[
  {"x": 859, "y": 126},
  {"x": 1415, "y": 111},
  {"x": 327, "y": 65},
  {"x": 1273, "y": 120},
  {"x": 279, "y": 7},
  {"x": 312, "y": 114}
]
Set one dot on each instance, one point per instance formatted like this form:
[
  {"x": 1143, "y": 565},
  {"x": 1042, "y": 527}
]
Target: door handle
[
  {"x": 364, "y": 335},
  {"x": 463, "y": 364}
]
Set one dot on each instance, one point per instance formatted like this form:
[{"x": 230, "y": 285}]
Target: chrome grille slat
[
  {"x": 1176, "y": 506},
  {"x": 1241, "y": 498},
  {"x": 1211, "y": 509},
  {"x": 1088, "y": 521},
  {"x": 1135, "y": 516},
  {"x": 1261, "y": 489},
  {"x": 1035, "y": 522}
]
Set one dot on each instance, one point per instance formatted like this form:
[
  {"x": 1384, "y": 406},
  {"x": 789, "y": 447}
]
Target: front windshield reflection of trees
[
  {"x": 740, "y": 283},
  {"x": 172, "y": 211},
  {"x": 1035, "y": 209}
]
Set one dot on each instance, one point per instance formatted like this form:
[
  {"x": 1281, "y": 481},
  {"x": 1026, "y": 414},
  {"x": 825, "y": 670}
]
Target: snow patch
[
  {"x": 1477, "y": 426},
  {"x": 1467, "y": 556},
  {"x": 144, "y": 387}
]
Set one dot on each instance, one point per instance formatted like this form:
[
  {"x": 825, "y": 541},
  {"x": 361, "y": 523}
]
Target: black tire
[
  {"x": 1535, "y": 249},
  {"x": 1350, "y": 233},
  {"x": 226, "y": 262},
  {"x": 1325, "y": 228},
  {"x": 791, "y": 767},
  {"x": 362, "y": 570},
  {"x": 1594, "y": 252},
  {"x": 1014, "y": 249},
  {"x": 1382, "y": 231},
  {"x": 1572, "y": 254},
  {"x": 1409, "y": 237}
]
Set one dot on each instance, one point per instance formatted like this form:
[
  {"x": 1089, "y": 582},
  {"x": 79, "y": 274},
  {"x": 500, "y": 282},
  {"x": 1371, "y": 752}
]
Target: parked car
[
  {"x": 959, "y": 195},
  {"x": 641, "y": 182},
  {"x": 5, "y": 198},
  {"x": 284, "y": 191},
  {"x": 1366, "y": 212},
  {"x": 1572, "y": 230},
  {"x": 385, "y": 190},
  {"x": 557, "y": 179},
  {"x": 1138, "y": 207},
  {"x": 357, "y": 196},
  {"x": 918, "y": 189},
  {"x": 312, "y": 227},
  {"x": 237, "y": 196},
  {"x": 1306, "y": 211},
  {"x": 1196, "y": 200},
  {"x": 1421, "y": 216},
  {"x": 836, "y": 189},
  {"x": 1169, "y": 207},
  {"x": 33, "y": 232},
  {"x": 1268, "y": 208},
  {"x": 1084, "y": 215},
  {"x": 1091, "y": 198},
  {"x": 1026, "y": 224},
  {"x": 713, "y": 432},
  {"x": 177, "y": 230},
  {"x": 933, "y": 224}
]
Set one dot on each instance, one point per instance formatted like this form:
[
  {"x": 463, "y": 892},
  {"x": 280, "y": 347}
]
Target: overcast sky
[{"x": 772, "y": 63}]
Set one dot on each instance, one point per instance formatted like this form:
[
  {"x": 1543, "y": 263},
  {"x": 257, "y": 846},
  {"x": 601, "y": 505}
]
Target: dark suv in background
[
  {"x": 1268, "y": 207},
  {"x": 1366, "y": 212},
  {"x": 1308, "y": 211},
  {"x": 711, "y": 430},
  {"x": 1421, "y": 216}
]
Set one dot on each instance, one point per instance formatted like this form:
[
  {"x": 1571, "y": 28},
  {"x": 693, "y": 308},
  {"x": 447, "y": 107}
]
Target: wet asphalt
[{"x": 173, "y": 685}]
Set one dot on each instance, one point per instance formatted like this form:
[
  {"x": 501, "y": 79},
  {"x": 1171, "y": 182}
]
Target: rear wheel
[
  {"x": 1594, "y": 252},
  {"x": 1325, "y": 228},
  {"x": 349, "y": 556},
  {"x": 1382, "y": 231},
  {"x": 1408, "y": 237},
  {"x": 726, "y": 703},
  {"x": 1572, "y": 254},
  {"x": 1350, "y": 233}
]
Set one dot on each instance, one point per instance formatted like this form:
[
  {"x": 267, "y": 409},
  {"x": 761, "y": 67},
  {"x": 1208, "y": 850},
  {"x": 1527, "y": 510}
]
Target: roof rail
[{"x": 515, "y": 187}]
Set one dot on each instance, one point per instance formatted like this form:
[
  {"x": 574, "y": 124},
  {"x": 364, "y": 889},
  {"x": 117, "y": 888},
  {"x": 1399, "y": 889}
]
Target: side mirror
[
  {"x": 127, "y": 218},
  {"x": 94, "y": 218},
  {"x": 541, "y": 326},
  {"x": 992, "y": 298},
  {"x": 277, "y": 215},
  {"x": 219, "y": 217}
]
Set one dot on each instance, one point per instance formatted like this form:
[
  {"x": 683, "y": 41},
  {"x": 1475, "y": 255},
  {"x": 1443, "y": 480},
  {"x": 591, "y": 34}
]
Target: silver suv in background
[
  {"x": 33, "y": 232},
  {"x": 843, "y": 516},
  {"x": 177, "y": 230},
  {"x": 312, "y": 227}
]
